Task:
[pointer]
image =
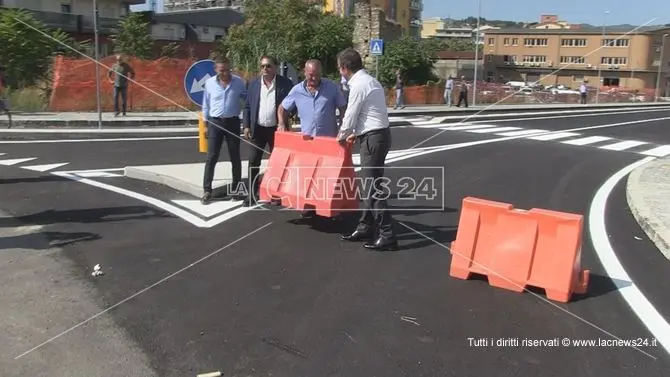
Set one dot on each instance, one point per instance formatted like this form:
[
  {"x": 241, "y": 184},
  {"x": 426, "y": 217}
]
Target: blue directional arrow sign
[
  {"x": 195, "y": 78},
  {"x": 377, "y": 47}
]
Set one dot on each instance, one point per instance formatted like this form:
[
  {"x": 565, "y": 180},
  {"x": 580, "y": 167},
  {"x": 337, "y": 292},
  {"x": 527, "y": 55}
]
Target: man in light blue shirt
[
  {"x": 221, "y": 108},
  {"x": 317, "y": 101}
]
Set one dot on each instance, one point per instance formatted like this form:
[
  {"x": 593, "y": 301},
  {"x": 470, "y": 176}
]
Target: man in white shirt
[{"x": 366, "y": 119}]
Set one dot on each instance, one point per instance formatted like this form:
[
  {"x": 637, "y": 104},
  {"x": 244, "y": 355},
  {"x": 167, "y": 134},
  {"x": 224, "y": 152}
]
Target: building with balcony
[
  {"x": 177, "y": 5},
  {"x": 571, "y": 56}
]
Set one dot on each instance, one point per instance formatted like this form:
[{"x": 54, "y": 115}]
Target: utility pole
[
  {"x": 660, "y": 66},
  {"x": 474, "y": 82},
  {"x": 600, "y": 64},
  {"x": 97, "y": 61}
]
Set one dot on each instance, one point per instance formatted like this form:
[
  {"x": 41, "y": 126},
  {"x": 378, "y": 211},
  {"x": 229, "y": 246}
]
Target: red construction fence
[{"x": 159, "y": 87}]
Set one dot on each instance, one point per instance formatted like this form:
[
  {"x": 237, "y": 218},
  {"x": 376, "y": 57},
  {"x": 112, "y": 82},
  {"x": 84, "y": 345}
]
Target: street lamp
[
  {"x": 660, "y": 65},
  {"x": 474, "y": 83},
  {"x": 600, "y": 65}
]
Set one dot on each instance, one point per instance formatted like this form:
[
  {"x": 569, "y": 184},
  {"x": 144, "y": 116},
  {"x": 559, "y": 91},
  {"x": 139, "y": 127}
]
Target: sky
[{"x": 573, "y": 11}]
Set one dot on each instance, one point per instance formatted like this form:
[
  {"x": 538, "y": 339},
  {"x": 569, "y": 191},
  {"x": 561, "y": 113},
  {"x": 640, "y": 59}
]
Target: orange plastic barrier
[
  {"x": 515, "y": 248},
  {"x": 308, "y": 173}
]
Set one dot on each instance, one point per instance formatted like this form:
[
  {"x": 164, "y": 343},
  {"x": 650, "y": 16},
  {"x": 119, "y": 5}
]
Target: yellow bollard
[{"x": 202, "y": 134}]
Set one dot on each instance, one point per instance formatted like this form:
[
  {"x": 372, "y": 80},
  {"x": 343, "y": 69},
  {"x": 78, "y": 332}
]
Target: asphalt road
[{"x": 292, "y": 300}]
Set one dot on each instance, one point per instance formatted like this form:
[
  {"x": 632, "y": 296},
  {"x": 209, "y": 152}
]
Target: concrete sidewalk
[
  {"x": 190, "y": 119},
  {"x": 648, "y": 195}
]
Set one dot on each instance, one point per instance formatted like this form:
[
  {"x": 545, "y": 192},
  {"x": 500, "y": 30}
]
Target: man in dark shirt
[
  {"x": 462, "y": 92},
  {"x": 4, "y": 103},
  {"x": 121, "y": 72},
  {"x": 399, "y": 90}
]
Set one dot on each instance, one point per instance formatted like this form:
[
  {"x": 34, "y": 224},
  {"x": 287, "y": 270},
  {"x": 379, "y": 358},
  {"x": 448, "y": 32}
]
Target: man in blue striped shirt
[{"x": 221, "y": 108}]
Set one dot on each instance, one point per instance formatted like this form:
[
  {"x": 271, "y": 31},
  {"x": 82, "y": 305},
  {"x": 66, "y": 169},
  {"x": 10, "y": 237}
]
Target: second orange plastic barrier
[{"x": 516, "y": 248}]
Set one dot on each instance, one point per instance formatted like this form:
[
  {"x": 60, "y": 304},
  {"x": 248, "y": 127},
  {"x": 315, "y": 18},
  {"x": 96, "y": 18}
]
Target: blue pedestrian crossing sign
[
  {"x": 195, "y": 78},
  {"x": 377, "y": 47}
]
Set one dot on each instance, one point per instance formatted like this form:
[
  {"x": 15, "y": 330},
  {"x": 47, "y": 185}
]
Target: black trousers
[
  {"x": 218, "y": 130},
  {"x": 263, "y": 136},
  {"x": 462, "y": 96},
  {"x": 120, "y": 91},
  {"x": 374, "y": 146}
]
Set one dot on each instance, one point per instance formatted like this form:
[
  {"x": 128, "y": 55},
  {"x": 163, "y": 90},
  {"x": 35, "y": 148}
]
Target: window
[
  {"x": 506, "y": 41},
  {"x": 610, "y": 81},
  {"x": 573, "y": 60},
  {"x": 66, "y": 8},
  {"x": 536, "y": 41},
  {"x": 573, "y": 42},
  {"x": 613, "y": 60},
  {"x": 492, "y": 41},
  {"x": 515, "y": 41},
  {"x": 615, "y": 42},
  {"x": 534, "y": 58}
]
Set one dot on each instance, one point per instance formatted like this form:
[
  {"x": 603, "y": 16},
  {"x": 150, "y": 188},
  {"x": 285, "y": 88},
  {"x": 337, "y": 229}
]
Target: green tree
[
  {"x": 331, "y": 35},
  {"x": 28, "y": 48},
  {"x": 291, "y": 30},
  {"x": 413, "y": 57},
  {"x": 134, "y": 37}
]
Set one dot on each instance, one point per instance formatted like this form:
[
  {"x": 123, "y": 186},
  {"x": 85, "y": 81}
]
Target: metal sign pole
[{"x": 97, "y": 61}]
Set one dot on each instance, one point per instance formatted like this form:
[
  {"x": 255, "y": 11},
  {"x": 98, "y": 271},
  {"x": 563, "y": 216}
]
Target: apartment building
[
  {"x": 76, "y": 16},
  {"x": 628, "y": 60},
  {"x": 177, "y": 5},
  {"x": 406, "y": 13}
]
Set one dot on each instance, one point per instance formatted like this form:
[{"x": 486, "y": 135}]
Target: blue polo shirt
[
  {"x": 316, "y": 111},
  {"x": 220, "y": 102}
]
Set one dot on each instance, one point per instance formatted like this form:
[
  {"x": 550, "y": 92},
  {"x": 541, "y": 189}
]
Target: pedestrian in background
[
  {"x": 366, "y": 119},
  {"x": 462, "y": 92},
  {"x": 399, "y": 90},
  {"x": 448, "y": 88},
  {"x": 317, "y": 102},
  {"x": 4, "y": 102},
  {"x": 582, "y": 93},
  {"x": 221, "y": 107},
  {"x": 120, "y": 71},
  {"x": 260, "y": 118}
]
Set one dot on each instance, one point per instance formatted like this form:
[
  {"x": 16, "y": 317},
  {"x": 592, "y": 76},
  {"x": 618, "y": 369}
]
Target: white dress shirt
[
  {"x": 267, "y": 110},
  {"x": 366, "y": 110}
]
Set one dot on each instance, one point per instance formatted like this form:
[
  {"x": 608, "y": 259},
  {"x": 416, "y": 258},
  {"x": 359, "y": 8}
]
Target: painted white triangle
[
  {"x": 375, "y": 48},
  {"x": 43, "y": 168},
  {"x": 16, "y": 161},
  {"x": 209, "y": 210}
]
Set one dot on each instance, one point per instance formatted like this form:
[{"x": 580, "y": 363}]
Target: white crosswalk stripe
[
  {"x": 16, "y": 161},
  {"x": 587, "y": 140},
  {"x": 466, "y": 127},
  {"x": 623, "y": 145},
  {"x": 662, "y": 151},
  {"x": 522, "y": 133},
  {"x": 494, "y": 129}
]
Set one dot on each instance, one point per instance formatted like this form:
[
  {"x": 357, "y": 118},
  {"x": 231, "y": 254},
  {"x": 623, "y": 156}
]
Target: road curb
[{"x": 640, "y": 191}]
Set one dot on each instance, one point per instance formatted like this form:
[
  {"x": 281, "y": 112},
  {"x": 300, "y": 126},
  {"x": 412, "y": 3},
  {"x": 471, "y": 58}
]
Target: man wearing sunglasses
[{"x": 260, "y": 118}]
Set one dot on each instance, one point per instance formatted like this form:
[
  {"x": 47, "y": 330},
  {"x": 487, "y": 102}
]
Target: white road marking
[
  {"x": 661, "y": 151},
  {"x": 494, "y": 129},
  {"x": 554, "y": 136},
  {"x": 161, "y": 138},
  {"x": 638, "y": 303},
  {"x": 578, "y": 115},
  {"x": 587, "y": 140},
  {"x": 16, "y": 161},
  {"x": 623, "y": 145},
  {"x": 43, "y": 168},
  {"x": 522, "y": 132},
  {"x": 466, "y": 127},
  {"x": 208, "y": 210},
  {"x": 98, "y": 174}
]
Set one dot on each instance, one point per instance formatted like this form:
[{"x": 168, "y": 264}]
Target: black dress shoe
[
  {"x": 382, "y": 244},
  {"x": 357, "y": 235},
  {"x": 206, "y": 198}
]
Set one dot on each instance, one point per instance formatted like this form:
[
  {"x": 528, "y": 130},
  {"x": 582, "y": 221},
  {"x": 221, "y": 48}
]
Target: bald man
[{"x": 317, "y": 100}]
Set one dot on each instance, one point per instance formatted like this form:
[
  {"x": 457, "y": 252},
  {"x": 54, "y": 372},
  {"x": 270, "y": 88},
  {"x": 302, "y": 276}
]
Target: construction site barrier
[
  {"x": 310, "y": 173},
  {"x": 516, "y": 248}
]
